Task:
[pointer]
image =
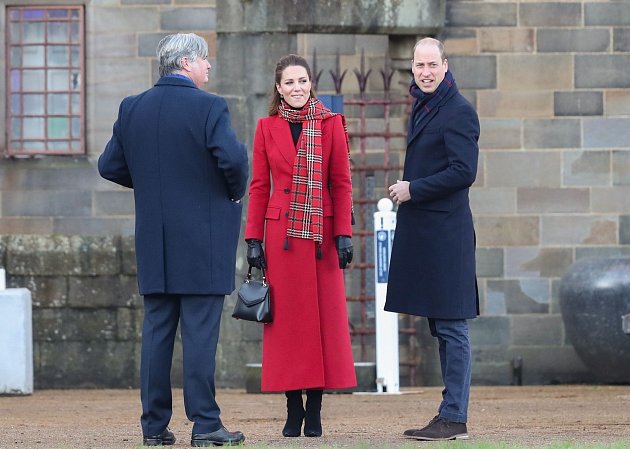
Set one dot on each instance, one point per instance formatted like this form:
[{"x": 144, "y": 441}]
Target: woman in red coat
[{"x": 300, "y": 206}]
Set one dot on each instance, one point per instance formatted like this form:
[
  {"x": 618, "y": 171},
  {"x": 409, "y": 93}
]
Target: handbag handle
[{"x": 249, "y": 275}]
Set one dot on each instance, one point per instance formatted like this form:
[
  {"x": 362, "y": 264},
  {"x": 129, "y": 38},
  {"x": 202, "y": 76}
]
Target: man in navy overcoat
[
  {"x": 175, "y": 147},
  {"x": 432, "y": 268}
]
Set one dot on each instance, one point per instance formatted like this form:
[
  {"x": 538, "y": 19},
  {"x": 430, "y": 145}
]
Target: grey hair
[
  {"x": 430, "y": 40},
  {"x": 174, "y": 47}
]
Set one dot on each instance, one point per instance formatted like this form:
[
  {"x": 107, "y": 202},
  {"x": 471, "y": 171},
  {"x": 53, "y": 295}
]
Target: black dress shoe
[
  {"x": 219, "y": 438},
  {"x": 166, "y": 438}
]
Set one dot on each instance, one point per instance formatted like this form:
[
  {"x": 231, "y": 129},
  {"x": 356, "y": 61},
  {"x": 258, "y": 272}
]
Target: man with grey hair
[{"x": 175, "y": 147}]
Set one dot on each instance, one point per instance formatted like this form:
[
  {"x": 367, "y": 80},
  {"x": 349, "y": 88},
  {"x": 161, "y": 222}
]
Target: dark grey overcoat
[
  {"x": 175, "y": 146},
  {"x": 432, "y": 268}
]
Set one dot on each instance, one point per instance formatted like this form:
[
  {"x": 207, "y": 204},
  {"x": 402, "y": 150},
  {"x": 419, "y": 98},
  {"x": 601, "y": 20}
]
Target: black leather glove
[
  {"x": 344, "y": 250},
  {"x": 255, "y": 254}
]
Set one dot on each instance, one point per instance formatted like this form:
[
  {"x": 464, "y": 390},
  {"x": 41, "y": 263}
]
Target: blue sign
[{"x": 382, "y": 256}]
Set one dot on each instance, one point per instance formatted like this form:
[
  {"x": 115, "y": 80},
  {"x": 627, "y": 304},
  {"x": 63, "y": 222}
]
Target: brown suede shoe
[
  {"x": 410, "y": 432},
  {"x": 441, "y": 430}
]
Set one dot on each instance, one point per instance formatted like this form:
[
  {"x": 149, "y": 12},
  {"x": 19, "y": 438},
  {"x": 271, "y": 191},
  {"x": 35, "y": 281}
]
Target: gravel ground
[{"x": 531, "y": 416}]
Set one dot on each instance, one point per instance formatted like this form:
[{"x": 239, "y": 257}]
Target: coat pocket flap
[{"x": 273, "y": 213}]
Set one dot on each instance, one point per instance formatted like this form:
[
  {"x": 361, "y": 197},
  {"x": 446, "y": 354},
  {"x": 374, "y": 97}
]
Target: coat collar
[{"x": 175, "y": 81}]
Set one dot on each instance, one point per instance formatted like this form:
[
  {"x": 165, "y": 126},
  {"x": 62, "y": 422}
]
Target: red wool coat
[{"x": 308, "y": 343}]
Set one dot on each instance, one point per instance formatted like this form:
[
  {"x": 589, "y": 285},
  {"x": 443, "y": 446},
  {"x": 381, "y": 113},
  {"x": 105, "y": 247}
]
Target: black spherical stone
[{"x": 594, "y": 294}]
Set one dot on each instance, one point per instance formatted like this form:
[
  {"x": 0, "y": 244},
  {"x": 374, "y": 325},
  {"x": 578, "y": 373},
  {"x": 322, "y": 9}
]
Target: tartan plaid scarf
[
  {"x": 425, "y": 103},
  {"x": 306, "y": 210}
]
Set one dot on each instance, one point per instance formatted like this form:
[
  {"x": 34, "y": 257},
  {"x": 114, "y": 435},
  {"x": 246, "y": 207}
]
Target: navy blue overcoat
[
  {"x": 432, "y": 269},
  {"x": 175, "y": 146}
]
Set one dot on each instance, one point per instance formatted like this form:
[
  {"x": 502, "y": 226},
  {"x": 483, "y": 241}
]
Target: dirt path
[{"x": 530, "y": 416}]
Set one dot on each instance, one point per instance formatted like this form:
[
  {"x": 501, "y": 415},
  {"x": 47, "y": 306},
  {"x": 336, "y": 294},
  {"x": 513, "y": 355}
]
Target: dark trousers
[
  {"x": 199, "y": 317},
  {"x": 455, "y": 361}
]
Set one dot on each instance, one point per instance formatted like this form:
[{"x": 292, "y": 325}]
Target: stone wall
[
  {"x": 549, "y": 80},
  {"x": 87, "y": 314},
  {"x": 550, "y": 83}
]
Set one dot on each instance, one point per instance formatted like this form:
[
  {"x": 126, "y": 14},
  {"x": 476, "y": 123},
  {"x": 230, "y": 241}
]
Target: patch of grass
[{"x": 461, "y": 444}]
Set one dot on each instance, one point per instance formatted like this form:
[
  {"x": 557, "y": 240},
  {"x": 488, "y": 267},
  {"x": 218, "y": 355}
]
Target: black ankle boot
[
  {"x": 313, "y": 419},
  {"x": 295, "y": 414}
]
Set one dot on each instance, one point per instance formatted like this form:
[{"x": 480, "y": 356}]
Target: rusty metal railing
[{"x": 366, "y": 169}]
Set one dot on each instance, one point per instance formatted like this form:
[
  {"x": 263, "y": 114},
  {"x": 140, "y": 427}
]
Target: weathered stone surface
[
  {"x": 621, "y": 39},
  {"x": 491, "y": 366},
  {"x": 608, "y": 13},
  {"x": 3, "y": 250},
  {"x": 617, "y": 102},
  {"x": 117, "y": 79},
  {"x": 489, "y": 262},
  {"x": 493, "y": 201},
  {"x": 506, "y": 40},
  {"x": 147, "y": 43},
  {"x": 550, "y": 364},
  {"x": 467, "y": 14},
  {"x": 601, "y": 71},
  {"x": 576, "y": 40},
  {"x": 550, "y": 14},
  {"x": 515, "y": 104},
  {"x": 554, "y": 72},
  {"x": 521, "y": 296},
  {"x": 26, "y": 225},
  {"x": 128, "y": 255},
  {"x": 586, "y": 168},
  {"x": 606, "y": 132},
  {"x": 552, "y": 200},
  {"x": 523, "y": 169},
  {"x": 507, "y": 231},
  {"x": 612, "y": 200},
  {"x": 102, "y": 291},
  {"x": 188, "y": 19},
  {"x": 621, "y": 167},
  {"x": 459, "y": 41},
  {"x": 601, "y": 251},
  {"x": 46, "y": 291},
  {"x": 624, "y": 229},
  {"x": 115, "y": 45},
  {"x": 116, "y": 202},
  {"x": 578, "y": 103},
  {"x": 45, "y": 203},
  {"x": 474, "y": 72},
  {"x": 355, "y": 16},
  {"x": 110, "y": 20},
  {"x": 536, "y": 262},
  {"x": 95, "y": 364},
  {"x": 490, "y": 331},
  {"x": 578, "y": 230},
  {"x": 74, "y": 324},
  {"x": 532, "y": 330},
  {"x": 86, "y": 226},
  {"x": 554, "y": 133},
  {"x": 129, "y": 323},
  {"x": 62, "y": 255},
  {"x": 500, "y": 133},
  {"x": 146, "y": 2}
]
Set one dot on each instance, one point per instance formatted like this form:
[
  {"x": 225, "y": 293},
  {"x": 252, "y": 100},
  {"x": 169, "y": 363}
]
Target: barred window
[{"x": 44, "y": 77}]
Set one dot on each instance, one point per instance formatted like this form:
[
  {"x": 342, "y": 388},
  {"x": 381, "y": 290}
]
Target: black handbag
[{"x": 253, "y": 302}]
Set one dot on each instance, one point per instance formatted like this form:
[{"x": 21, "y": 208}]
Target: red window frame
[{"x": 45, "y": 72}]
